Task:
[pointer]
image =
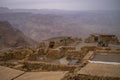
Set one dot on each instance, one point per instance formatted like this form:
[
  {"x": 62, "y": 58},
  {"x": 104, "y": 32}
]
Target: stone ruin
[
  {"x": 18, "y": 57},
  {"x": 26, "y": 58},
  {"x": 36, "y": 58},
  {"x": 103, "y": 38},
  {"x": 95, "y": 71},
  {"x": 44, "y": 58},
  {"x": 60, "y": 41},
  {"x": 54, "y": 54}
]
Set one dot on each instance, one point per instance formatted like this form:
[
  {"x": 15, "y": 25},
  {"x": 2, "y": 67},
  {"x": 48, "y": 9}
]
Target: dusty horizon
[{"x": 62, "y": 4}]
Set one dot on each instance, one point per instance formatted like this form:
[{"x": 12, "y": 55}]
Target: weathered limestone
[
  {"x": 32, "y": 57},
  {"x": 73, "y": 54},
  {"x": 108, "y": 51},
  {"x": 44, "y": 66},
  {"x": 86, "y": 49},
  {"x": 15, "y": 54},
  {"x": 64, "y": 49},
  {"x": 54, "y": 54}
]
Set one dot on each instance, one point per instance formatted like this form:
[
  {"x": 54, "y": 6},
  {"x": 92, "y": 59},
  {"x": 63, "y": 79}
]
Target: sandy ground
[
  {"x": 8, "y": 73},
  {"x": 12, "y": 74},
  {"x": 42, "y": 76},
  {"x": 105, "y": 70}
]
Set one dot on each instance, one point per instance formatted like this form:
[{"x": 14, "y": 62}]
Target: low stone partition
[
  {"x": 65, "y": 48},
  {"x": 43, "y": 66},
  {"x": 58, "y": 52},
  {"x": 77, "y": 55},
  {"x": 108, "y": 51},
  {"x": 72, "y": 52},
  {"x": 54, "y": 54},
  {"x": 88, "y": 77},
  {"x": 15, "y": 54},
  {"x": 89, "y": 48},
  {"x": 41, "y": 51}
]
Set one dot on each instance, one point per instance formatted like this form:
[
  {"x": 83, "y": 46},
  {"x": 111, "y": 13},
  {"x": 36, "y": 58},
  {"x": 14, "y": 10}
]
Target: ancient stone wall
[
  {"x": 66, "y": 48},
  {"x": 54, "y": 54},
  {"x": 43, "y": 66},
  {"x": 88, "y": 77},
  {"x": 104, "y": 38},
  {"x": 73, "y": 54},
  {"x": 15, "y": 54}
]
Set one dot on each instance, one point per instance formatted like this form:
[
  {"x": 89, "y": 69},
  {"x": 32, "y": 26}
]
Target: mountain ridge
[
  {"x": 44, "y": 25},
  {"x": 12, "y": 37}
]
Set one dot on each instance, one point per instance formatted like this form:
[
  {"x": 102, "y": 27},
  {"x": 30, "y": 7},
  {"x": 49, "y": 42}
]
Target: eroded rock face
[{"x": 12, "y": 37}]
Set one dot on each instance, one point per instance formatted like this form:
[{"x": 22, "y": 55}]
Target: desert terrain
[{"x": 59, "y": 45}]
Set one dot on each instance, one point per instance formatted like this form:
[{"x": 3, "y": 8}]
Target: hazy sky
[{"x": 63, "y": 4}]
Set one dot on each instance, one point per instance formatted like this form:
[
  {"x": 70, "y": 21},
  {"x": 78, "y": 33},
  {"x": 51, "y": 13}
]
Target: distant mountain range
[
  {"x": 43, "y": 24},
  {"x": 5, "y": 10},
  {"x": 12, "y": 37}
]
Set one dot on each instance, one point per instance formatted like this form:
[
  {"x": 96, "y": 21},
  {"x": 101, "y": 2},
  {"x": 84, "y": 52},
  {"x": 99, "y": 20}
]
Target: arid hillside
[
  {"x": 44, "y": 24},
  {"x": 12, "y": 37}
]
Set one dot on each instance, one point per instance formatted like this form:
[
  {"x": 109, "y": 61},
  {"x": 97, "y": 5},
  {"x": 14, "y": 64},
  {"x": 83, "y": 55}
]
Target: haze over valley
[
  {"x": 60, "y": 39},
  {"x": 41, "y": 24}
]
